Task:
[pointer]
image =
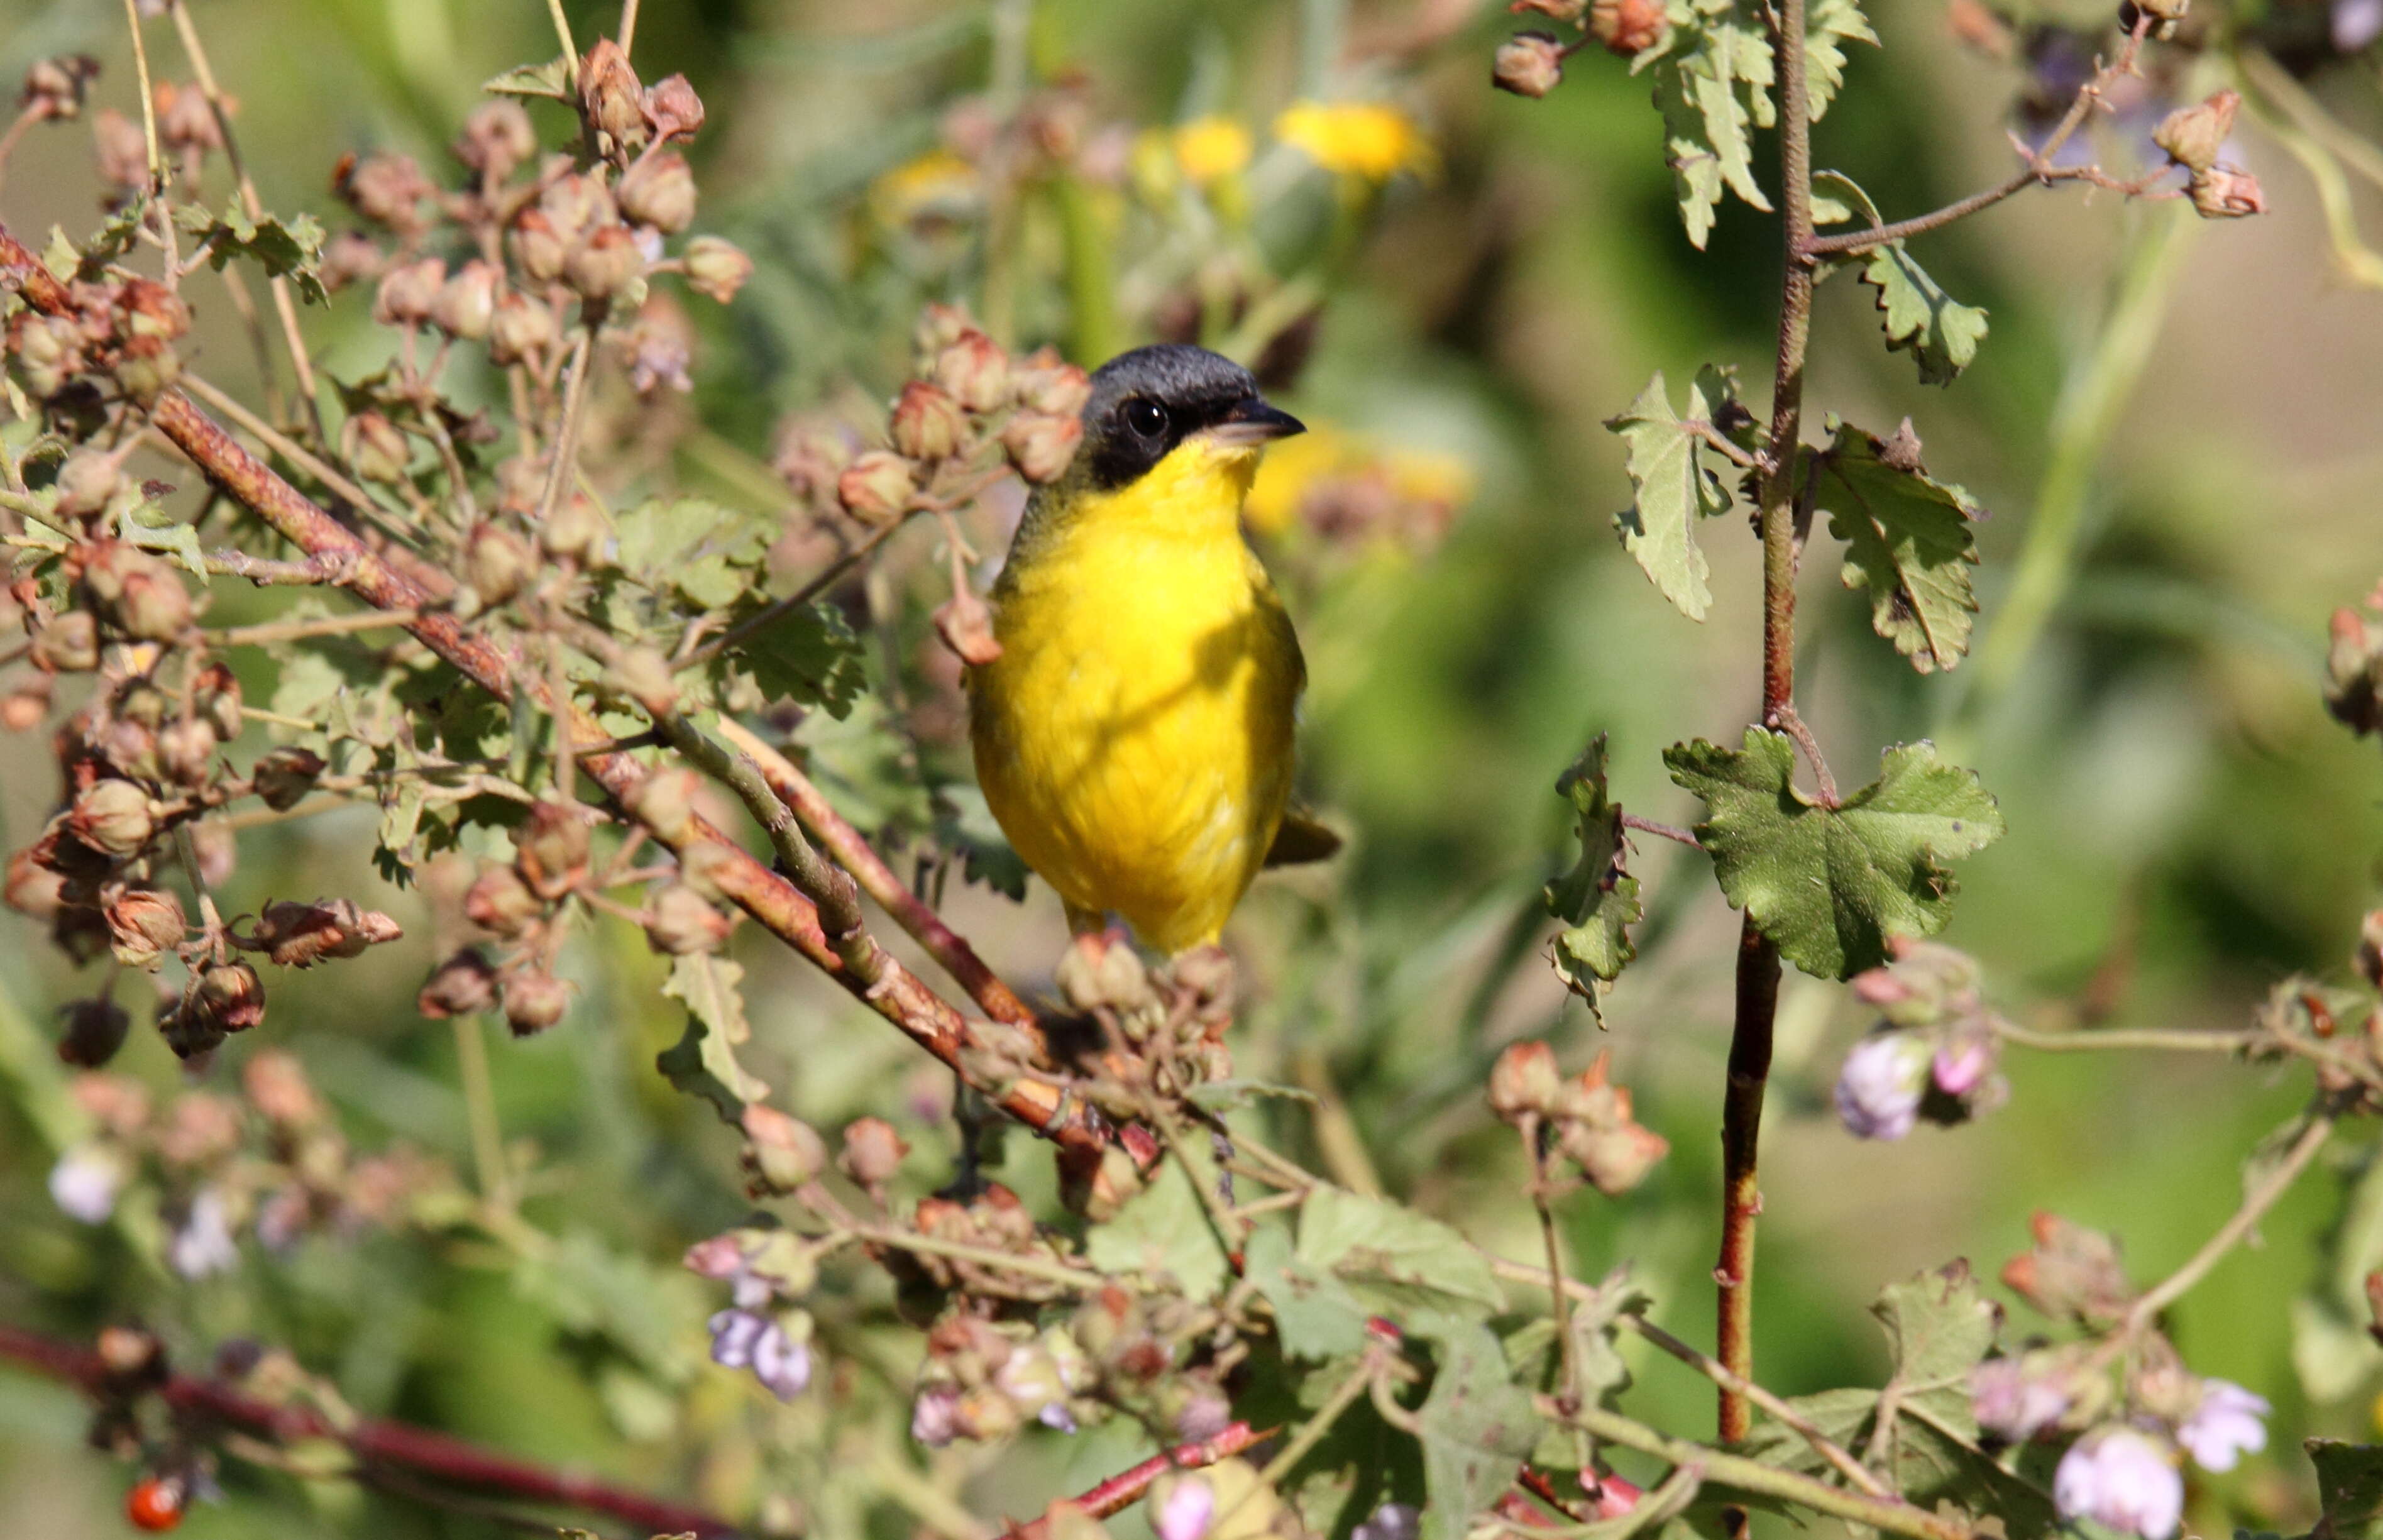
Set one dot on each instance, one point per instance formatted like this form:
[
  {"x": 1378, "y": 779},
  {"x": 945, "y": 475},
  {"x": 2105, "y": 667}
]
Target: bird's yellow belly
[{"x": 1134, "y": 737}]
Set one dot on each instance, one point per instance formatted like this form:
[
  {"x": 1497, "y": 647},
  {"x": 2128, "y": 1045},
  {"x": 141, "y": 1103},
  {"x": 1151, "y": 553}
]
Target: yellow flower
[
  {"x": 1289, "y": 471},
  {"x": 1211, "y": 148},
  {"x": 1372, "y": 141},
  {"x": 1349, "y": 487},
  {"x": 936, "y": 182}
]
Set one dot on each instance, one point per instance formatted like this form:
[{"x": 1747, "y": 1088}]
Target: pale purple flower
[
  {"x": 1880, "y": 1088},
  {"x": 1390, "y": 1521},
  {"x": 2013, "y": 1402},
  {"x": 734, "y": 1334},
  {"x": 2121, "y": 1478},
  {"x": 2227, "y": 1424},
  {"x": 1187, "y": 1511},
  {"x": 85, "y": 1181},
  {"x": 202, "y": 1243},
  {"x": 934, "y": 1416},
  {"x": 2356, "y": 23},
  {"x": 1056, "y": 1416},
  {"x": 742, "y": 1340}
]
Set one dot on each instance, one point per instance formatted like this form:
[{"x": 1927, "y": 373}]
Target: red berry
[{"x": 155, "y": 1504}]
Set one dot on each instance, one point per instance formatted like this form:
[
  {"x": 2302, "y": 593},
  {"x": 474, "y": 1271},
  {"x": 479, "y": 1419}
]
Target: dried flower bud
[
  {"x": 501, "y": 902},
  {"x": 123, "y": 150},
  {"x": 659, "y": 346},
  {"x": 521, "y": 330},
  {"x": 781, "y": 1152},
  {"x": 664, "y": 802},
  {"x": 1615, "y": 1157},
  {"x": 975, "y": 371},
  {"x": 679, "y": 920},
  {"x": 350, "y": 257},
  {"x": 47, "y": 351},
  {"x": 155, "y": 607},
  {"x": 1528, "y": 64},
  {"x": 283, "y": 777},
  {"x": 659, "y": 190},
  {"x": 467, "y": 301},
  {"x": 2222, "y": 192},
  {"x": 25, "y": 703},
  {"x": 673, "y": 109},
  {"x": 146, "y": 368},
  {"x": 496, "y": 138},
  {"x": 87, "y": 482},
  {"x": 143, "y": 925},
  {"x": 534, "y": 1002},
  {"x": 1041, "y": 448},
  {"x": 186, "y": 120},
  {"x": 33, "y": 888},
  {"x": 537, "y": 246},
  {"x": 1627, "y": 27},
  {"x": 605, "y": 263},
  {"x": 300, "y": 935},
  {"x": 927, "y": 422},
  {"x": 408, "y": 291},
  {"x": 277, "y": 1087},
  {"x": 463, "y": 984},
  {"x": 186, "y": 751},
  {"x": 385, "y": 189},
  {"x": 644, "y": 675},
  {"x": 965, "y": 626},
  {"x": 715, "y": 268},
  {"x": 95, "y": 1029},
  {"x": 67, "y": 643},
  {"x": 1525, "y": 1082},
  {"x": 497, "y": 563},
  {"x": 152, "y": 310},
  {"x": 378, "y": 447},
  {"x": 232, "y": 996},
  {"x": 1043, "y": 383},
  {"x": 579, "y": 530},
  {"x": 872, "y": 1152},
  {"x": 112, "y": 817},
  {"x": 551, "y": 850},
  {"x": 1099, "y": 972},
  {"x": 54, "y": 88},
  {"x": 2192, "y": 136},
  {"x": 610, "y": 99},
  {"x": 876, "y": 486},
  {"x": 578, "y": 204}
]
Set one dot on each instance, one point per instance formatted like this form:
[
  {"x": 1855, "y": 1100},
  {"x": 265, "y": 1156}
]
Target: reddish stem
[
  {"x": 374, "y": 1442},
  {"x": 1124, "y": 1489}
]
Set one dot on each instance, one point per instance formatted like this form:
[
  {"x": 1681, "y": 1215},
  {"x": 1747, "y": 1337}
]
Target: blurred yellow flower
[
  {"x": 1287, "y": 473},
  {"x": 936, "y": 182},
  {"x": 1372, "y": 141},
  {"x": 1348, "y": 487},
  {"x": 1208, "y": 148}
]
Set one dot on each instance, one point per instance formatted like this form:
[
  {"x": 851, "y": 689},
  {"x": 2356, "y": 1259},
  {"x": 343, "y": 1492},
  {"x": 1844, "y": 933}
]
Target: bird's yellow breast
[{"x": 1134, "y": 736}]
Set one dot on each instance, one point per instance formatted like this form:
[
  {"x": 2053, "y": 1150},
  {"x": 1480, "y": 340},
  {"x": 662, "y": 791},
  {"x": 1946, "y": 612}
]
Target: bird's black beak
[{"x": 1251, "y": 421}]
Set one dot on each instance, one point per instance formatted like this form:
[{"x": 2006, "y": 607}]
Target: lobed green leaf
[{"x": 1908, "y": 540}]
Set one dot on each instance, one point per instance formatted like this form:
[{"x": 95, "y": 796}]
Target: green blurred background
[{"x": 2186, "y": 826}]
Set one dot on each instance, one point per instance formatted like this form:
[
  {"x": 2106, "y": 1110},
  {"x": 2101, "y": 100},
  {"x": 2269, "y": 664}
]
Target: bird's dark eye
[{"x": 1146, "y": 418}]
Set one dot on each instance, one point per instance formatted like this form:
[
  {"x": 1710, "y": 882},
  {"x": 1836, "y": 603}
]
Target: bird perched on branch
[{"x": 1134, "y": 735}]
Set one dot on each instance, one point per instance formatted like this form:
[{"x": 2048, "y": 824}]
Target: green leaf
[
  {"x": 1940, "y": 1327},
  {"x": 1394, "y": 1261},
  {"x": 648, "y": 1313},
  {"x": 964, "y": 823},
  {"x": 1597, "y": 900},
  {"x": 2332, "y": 1351},
  {"x": 1673, "y": 488},
  {"x": 1164, "y": 1229},
  {"x": 703, "y": 1062},
  {"x": 1233, "y": 1095},
  {"x": 1829, "y": 885},
  {"x": 1714, "y": 93},
  {"x": 1315, "y": 1314},
  {"x": 1908, "y": 538},
  {"x": 706, "y": 553},
  {"x": 2349, "y": 1488},
  {"x": 151, "y": 528},
  {"x": 398, "y": 848},
  {"x": 291, "y": 248},
  {"x": 550, "y": 80},
  {"x": 809, "y": 657},
  {"x": 1938, "y": 330},
  {"x": 1476, "y": 1425},
  {"x": 1829, "y": 208},
  {"x": 1829, "y": 25}
]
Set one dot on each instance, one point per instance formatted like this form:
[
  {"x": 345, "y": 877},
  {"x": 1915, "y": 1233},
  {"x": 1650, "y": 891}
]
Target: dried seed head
[
  {"x": 715, "y": 268},
  {"x": 673, "y": 109},
  {"x": 872, "y": 1152},
  {"x": 32, "y": 889},
  {"x": 155, "y": 607},
  {"x": 965, "y": 626},
  {"x": 928, "y": 425},
  {"x": 610, "y": 99},
  {"x": 876, "y": 486},
  {"x": 186, "y": 121},
  {"x": 25, "y": 703},
  {"x": 521, "y": 330},
  {"x": 659, "y": 346},
  {"x": 386, "y": 190},
  {"x": 350, "y": 257},
  {"x": 1042, "y": 447},
  {"x": 276, "y": 1085},
  {"x": 284, "y": 776},
  {"x": 2222, "y": 192},
  {"x": 67, "y": 643},
  {"x": 534, "y": 1002},
  {"x": 95, "y": 1029},
  {"x": 2193, "y": 136},
  {"x": 143, "y": 925},
  {"x": 408, "y": 291},
  {"x": 218, "y": 848},
  {"x": 123, "y": 150},
  {"x": 496, "y": 138},
  {"x": 579, "y": 529},
  {"x": 551, "y": 849},
  {"x": 146, "y": 368},
  {"x": 1528, "y": 64},
  {"x": 112, "y": 817},
  {"x": 578, "y": 205},
  {"x": 781, "y": 1152},
  {"x": 379, "y": 448},
  {"x": 300, "y": 935},
  {"x": 664, "y": 802},
  {"x": 679, "y": 920},
  {"x": 87, "y": 482},
  {"x": 501, "y": 902},
  {"x": 538, "y": 248},
  {"x": 1043, "y": 382},
  {"x": 186, "y": 751},
  {"x": 660, "y": 190},
  {"x": 1615, "y": 1157},
  {"x": 55, "y": 87},
  {"x": 975, "y": 371},
  {"x": 467, "y": 302},
  {"x": 1525, "y": 1082},
  {"x": 608, "y": 262},
  {"x": 1628, "y": 28},
  {"x": 232, "y": 996}
]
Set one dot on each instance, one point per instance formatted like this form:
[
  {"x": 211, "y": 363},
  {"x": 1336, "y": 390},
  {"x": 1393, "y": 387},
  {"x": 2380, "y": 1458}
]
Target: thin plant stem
[
  {"x": 2256, "y": 1204},
  {"x": 563, "y": 35},
  {"x": 628, "y": 25},
  {"x": 1558, "y": 1296},
  {"x": 480, "y": 1106},
  {"x": 560, "y": 474},
  {"x": 148, "y": 107},
  {"x": 1662, "y": 831},
  {"x": 1302, "y": 1443},
  {"x": 297, "y": 631}
]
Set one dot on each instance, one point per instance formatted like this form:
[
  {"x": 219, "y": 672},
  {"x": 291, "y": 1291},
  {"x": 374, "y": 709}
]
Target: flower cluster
[
  {"x": 1933, "y": 1054},
  {"x": 270, "y": 1162},
  {"x": 1586, "y": 1117},
  {"x": 1531, "y": 64}
]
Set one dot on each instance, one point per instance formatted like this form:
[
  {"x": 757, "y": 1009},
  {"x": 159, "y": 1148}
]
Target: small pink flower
[
  {"x": 2121, "y": 1478},
  {"x": 1187, "y": 1511},
  {"x": 1962, "y": 1065},
  {"x": 1880, "y": 1088},
  {"x": 2228, "y": 1423},
  {"x": 2014, "y": 1403},
  {"x": 933, "y": 1416}
]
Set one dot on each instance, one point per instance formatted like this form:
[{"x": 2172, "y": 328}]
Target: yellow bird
[{"x": 1134, "y": 736}]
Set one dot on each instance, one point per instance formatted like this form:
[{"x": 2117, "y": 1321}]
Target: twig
[
  {"x": 480, "y": 1104},
  {"x": 1787, "y": 719},
  {"x": 374, "y": 1442},
  {"x": 779, "y": 610},
  {"x": 148, "y": 107},
  {"x": 570, "y": 49},
  {"x": 559, "y": 475},
  {"x": 1124, "y": 1489},
  {"x": 1662, "y": 831},
  {"x": 628, "y": 25},
  {"x": 2256, "y": 1203},
  {"x": 270, "y": 632},
  {"x": 1312, "y": 1432},
  {"x": 1723, "y": 445}
]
